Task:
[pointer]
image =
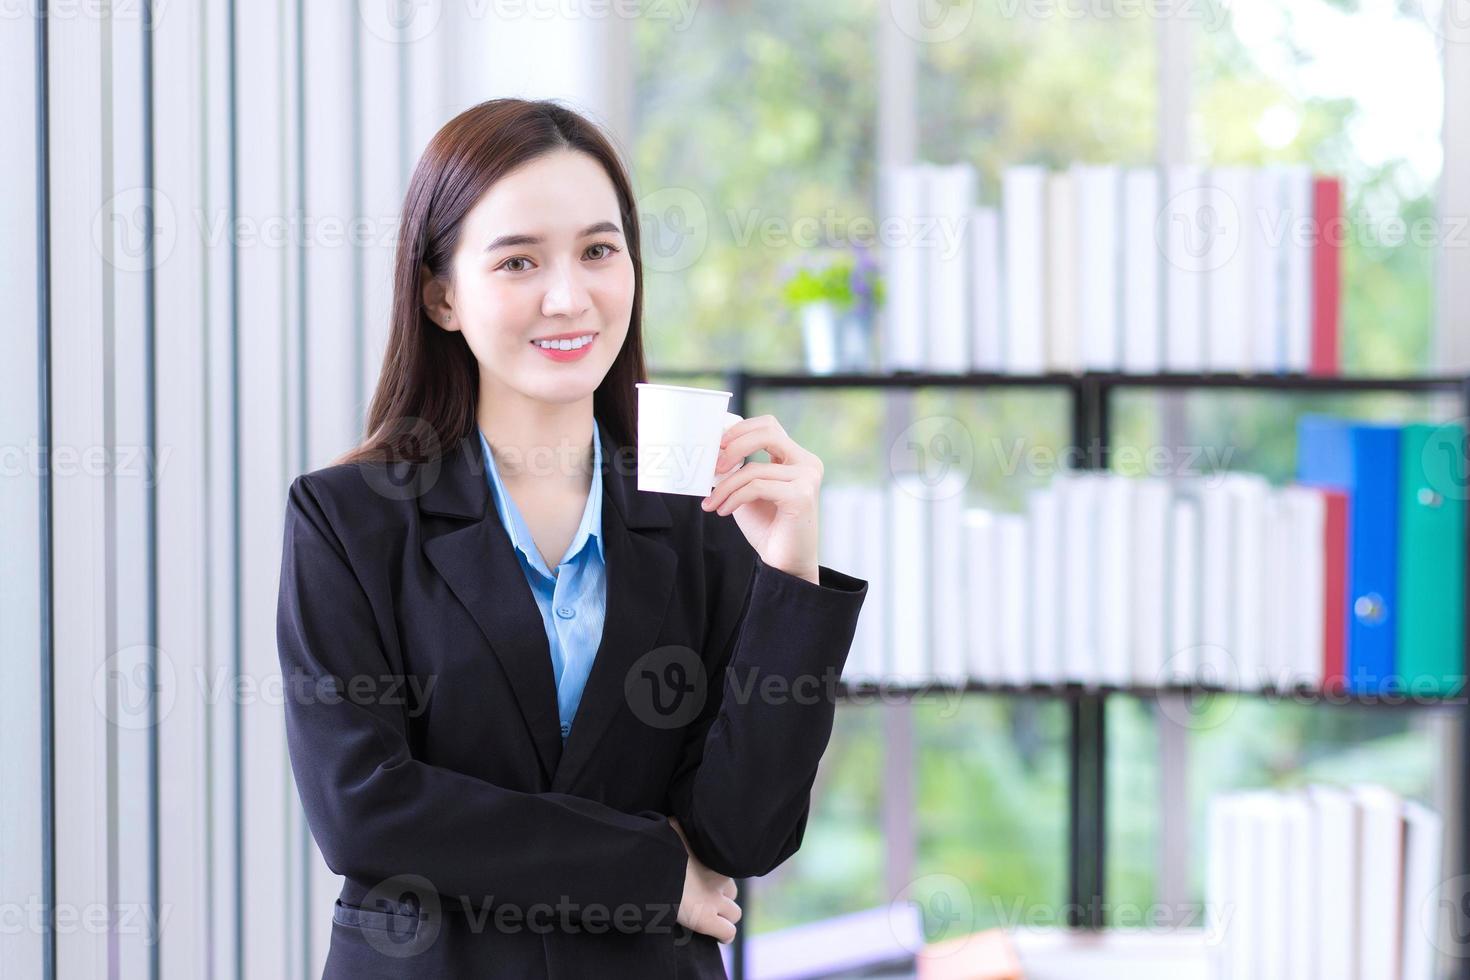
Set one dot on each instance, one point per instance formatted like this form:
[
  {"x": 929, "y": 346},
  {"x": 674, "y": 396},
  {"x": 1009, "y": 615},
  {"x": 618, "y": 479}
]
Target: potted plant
[{"x": 837, "y": 293}]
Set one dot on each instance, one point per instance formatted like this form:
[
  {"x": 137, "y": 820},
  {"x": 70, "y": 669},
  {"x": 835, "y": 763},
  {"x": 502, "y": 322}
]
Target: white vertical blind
[
  {"x": 22, "y": 867},
  {"x": 84, "y": 519},
  {"x": 182, "y": 332}
]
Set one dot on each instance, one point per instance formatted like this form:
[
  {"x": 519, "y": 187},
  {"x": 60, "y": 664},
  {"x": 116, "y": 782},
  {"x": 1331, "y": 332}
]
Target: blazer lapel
[
  {"x": 476, "y": 558},
  {"x": 481, "y": 567},
  {"x": 640, "y": 582}
]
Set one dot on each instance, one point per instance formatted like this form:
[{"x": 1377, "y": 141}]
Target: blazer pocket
[{"x": 402, "y": 925}]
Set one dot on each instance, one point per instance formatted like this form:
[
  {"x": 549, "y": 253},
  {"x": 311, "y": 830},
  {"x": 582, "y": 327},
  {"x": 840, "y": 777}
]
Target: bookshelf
[{"x": 1090, "y": 395}]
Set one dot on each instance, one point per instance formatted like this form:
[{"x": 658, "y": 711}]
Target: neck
[{"x": 537, "y": 441}]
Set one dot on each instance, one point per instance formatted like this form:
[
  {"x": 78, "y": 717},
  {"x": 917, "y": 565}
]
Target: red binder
[
  {"x": 1330, "y": 233},
  {"x": 1334, "y": 589}
]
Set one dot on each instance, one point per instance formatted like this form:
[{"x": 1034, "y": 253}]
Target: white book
[
  {"x": 1097, "y": 189},
  {"x": 1269, "y": 899},
  {"x": 1149, "y": 556},
  {"x": 1299, "y": 892},
  {"x": 906, "y": 309},
  {"x": 1077, "y": 500},
  {"x": 1185, "y": 245},
  {"x": 987, "y": 336},
  {"x": 1011, "y": 570},
  {"x": 1023, "y": 224},
  {"x": 1380, "y": 847},
  {"x": 1043, "y": 527},
  {"x": 1063, "y": 352},
  {"x": 1423, "y": 852},
  {"x": 1220, "y": 902},
  {"x": 1216, "y": 660},
  {"x": 1268, "y": 272},
  {"x": 910, "y": 636},
  {"x": 1302, "y": 627},
  {"x": 947, "y": 582},
  {"x": 1115, "y": 585},
  {"x": 1142, "y": 273},
  {"x": 1228, "y": 285},
  {"x": 951, "y": 196},
  {"x": 1249, "y": 880},
  {"x": 1296, "y": 220},
  {"x": 1336, "y": 858},
  {"x": 982, "y": 602},
  {"x": 1182, "y": 661},
  {"x": 1249, "y": 493},
  {"x": 1279, "y": 578}
]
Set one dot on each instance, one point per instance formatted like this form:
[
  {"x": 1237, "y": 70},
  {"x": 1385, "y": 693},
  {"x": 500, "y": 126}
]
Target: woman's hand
[
  {"x": 775, "y": 503},
  {"x": 708, "y": 905}
]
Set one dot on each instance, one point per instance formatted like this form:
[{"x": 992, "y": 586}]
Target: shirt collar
[{"x": 515, "y": 525}]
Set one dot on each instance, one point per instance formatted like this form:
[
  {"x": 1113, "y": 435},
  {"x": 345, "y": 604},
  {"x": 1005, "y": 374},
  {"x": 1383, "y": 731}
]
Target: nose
[{"x": 566, "y": 295}]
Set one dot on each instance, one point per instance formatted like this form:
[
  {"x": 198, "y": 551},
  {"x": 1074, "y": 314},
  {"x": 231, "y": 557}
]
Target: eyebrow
[{"x": 507, "y": 241}]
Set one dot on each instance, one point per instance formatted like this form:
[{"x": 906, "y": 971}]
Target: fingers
[
  {"x": 730, "y": 888},
  {"x": 729, "y": 909},
  {"x": 750, "y": 471},
  {"x": 721, "y": 925},
  {"x": 761, "y": 432},
  {"x": 778, "y": 491}
]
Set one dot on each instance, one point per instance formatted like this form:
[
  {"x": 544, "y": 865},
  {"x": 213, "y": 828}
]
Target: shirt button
[{"x": 566, "y": 612}]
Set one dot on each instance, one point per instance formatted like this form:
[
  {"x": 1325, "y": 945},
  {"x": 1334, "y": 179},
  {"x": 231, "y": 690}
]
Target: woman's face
[{"x": 541, "y": 255}]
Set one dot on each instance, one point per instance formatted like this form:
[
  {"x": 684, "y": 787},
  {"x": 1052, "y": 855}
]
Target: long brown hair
[{"x": 429, "y": 386}]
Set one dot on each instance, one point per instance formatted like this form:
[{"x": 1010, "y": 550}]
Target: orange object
[{"x": 988, "y": 955}]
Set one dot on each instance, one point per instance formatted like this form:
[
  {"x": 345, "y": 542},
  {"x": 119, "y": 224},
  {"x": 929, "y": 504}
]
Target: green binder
[{"x": 1431, "y": 575}]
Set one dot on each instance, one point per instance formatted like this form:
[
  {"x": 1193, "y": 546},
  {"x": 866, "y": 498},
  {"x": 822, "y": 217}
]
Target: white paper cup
[{"x": 679, "y": 432}]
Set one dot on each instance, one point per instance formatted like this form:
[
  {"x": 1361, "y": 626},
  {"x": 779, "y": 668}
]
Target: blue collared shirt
[{"x": 573, "y": 600}]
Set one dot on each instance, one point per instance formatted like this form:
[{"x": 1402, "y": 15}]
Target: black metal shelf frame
[{"x": 1091, "y": 395}]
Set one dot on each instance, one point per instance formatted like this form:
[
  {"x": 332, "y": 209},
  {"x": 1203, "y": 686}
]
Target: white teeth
[{"x": 564, "y": 344}]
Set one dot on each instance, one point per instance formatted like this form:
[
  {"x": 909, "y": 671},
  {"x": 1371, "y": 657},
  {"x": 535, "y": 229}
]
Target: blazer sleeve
[
  {"x": 742, "y": 791},
  {"x": 377, "y": 812}
]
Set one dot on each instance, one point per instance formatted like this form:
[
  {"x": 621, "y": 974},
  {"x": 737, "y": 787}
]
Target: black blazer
[{"x": 422, "y": 723}]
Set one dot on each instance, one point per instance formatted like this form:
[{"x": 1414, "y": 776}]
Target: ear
[{"x": 437, "y": 297}]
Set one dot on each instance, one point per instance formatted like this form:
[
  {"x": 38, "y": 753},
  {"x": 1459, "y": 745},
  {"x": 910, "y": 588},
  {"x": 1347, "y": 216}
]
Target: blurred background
[{"x": 200, "y": 205}]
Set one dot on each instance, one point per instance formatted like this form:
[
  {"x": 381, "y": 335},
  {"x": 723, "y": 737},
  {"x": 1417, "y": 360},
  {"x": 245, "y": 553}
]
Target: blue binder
[{"x": 1362, "y": 459}]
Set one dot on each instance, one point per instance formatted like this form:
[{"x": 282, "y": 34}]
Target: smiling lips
[{"x": 566, "y": 348}]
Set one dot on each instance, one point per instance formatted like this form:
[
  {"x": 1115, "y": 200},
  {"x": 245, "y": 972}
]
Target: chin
[{"x": 564, "y": 391}]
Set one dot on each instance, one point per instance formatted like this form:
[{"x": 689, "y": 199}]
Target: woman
[{"x": 539, "y": 719}]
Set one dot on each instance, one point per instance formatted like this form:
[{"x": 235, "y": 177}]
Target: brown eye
[
  {"x": 610, "y": 249},
  {"x": 514, "y": 258}
]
